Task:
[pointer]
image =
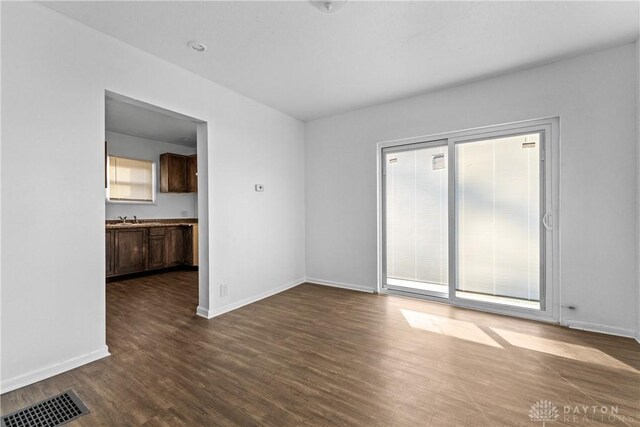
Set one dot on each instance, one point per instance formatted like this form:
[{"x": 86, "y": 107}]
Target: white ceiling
[
  {"x": 309, "y": 64},
  {"x": 131, "y": 118}
]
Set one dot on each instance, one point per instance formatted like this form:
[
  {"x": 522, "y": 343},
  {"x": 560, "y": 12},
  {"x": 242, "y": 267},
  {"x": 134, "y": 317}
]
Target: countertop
[{"x": 187, "y": 222}]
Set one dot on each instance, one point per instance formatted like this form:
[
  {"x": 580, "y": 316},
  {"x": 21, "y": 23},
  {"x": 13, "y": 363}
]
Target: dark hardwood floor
[{"x": 316, "y": 355}]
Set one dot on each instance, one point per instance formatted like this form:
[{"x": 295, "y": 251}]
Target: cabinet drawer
[{"x": 157, "y": 231}]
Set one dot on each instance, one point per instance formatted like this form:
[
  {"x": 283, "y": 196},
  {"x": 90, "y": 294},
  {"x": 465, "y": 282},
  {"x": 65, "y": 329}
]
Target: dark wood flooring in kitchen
[{"x": 316, "y": 355}]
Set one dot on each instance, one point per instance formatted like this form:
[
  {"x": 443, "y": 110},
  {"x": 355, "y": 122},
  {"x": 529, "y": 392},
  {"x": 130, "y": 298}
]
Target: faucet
[
  {"x": 123, "y": 219},
  {"x": 135, "y": 219}
]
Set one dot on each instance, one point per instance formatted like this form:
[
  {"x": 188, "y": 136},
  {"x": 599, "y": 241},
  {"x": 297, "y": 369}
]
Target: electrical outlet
[
  {"x": 259, "y": 187},
  {"x": 224, "y": 290}
]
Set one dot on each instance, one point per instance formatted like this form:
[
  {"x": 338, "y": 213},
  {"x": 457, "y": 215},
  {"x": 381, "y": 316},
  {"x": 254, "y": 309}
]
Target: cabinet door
[
  {"x": 174, "y": 246},
  {"x": 194, "y": 245},
  {"x": 188, "y": 245},
  {"x": 109, "y": 252},
  {"x": 173, "y": 173},
  {"x": 131, "y": 250},
  {"x": 192, "y": 173},
  {"x": 156, "y": 252}
]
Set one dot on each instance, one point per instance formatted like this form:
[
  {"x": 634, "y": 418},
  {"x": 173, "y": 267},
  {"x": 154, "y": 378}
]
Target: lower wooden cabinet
[
  {"x": 133, "y": 250},
  {"x": 110, "y": 247},
  {"x": 174, "y": 245},
  {"x": 156, "y": 249}
]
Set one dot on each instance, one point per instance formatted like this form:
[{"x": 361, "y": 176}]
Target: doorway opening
[
  {"x": 466, "y": 218},
  {"x": 156, "y": 204}
]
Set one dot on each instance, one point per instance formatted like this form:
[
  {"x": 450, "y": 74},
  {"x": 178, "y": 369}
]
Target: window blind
[
  {"x": 498, "y": 216},
  {"x": 417, "y": 215},
  {"x": 130, "y": 180}
]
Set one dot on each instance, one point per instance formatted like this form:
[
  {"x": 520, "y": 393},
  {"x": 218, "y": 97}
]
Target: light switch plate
[{"x": 259, "y": 187}]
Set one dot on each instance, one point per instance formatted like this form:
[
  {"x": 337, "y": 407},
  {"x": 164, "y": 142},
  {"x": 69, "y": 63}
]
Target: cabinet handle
[{"x": 546, "y": 221}]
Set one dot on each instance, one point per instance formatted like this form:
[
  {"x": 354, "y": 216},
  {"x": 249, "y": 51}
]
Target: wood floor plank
[{"x": 321, "y": 356}]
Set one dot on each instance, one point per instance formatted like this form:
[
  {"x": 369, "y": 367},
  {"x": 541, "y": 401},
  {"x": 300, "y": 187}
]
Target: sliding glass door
[
  {"x": 466, "y": 218},
  {"x": 416, "y": 194},
  {"x": 498, "y": 220}
]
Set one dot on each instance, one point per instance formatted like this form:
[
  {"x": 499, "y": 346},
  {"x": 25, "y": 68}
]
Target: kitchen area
[{"x": 151, "y": 187}]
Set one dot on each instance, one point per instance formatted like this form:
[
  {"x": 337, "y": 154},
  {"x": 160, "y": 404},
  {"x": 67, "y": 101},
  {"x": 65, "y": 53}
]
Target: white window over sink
[{"x": 130, "y": 180}]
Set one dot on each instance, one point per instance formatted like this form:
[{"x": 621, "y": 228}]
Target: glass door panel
[
  {"x": 498, "y": 187},
  {"x": 416, "y": 219}
]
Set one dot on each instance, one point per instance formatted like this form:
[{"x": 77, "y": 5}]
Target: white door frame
[
  {"x": 550, "y": 302},
  {"x": 204, "y": 236}
]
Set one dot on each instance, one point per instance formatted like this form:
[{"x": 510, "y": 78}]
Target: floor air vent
[{"x": 52, "y": 412}]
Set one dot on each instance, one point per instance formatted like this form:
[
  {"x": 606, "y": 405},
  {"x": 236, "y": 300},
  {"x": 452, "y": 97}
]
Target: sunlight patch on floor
[
  {"x": 449, "y": 327},
  {"x": 562, "y": 349}
]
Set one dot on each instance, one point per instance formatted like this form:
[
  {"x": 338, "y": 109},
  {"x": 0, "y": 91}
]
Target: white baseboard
[
  {"x": 202, "y": 312},
  {"x": 333, "y": 284},
  {"x": 52, "y": 370},
  {"x": 217, "y": 311},
  {"x": 603, "y": 329}
]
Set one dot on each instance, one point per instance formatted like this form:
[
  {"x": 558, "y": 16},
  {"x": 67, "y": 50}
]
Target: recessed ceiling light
[
  {"x": 197, "y": 46},
  {"x": 185, "y": 139}
]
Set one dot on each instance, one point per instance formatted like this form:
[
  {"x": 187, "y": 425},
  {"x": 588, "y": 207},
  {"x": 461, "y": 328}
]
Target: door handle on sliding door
[{"x": 546, "y": 221}]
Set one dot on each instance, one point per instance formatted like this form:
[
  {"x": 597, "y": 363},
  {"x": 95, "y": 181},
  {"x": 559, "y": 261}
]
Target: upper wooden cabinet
[
  {"x": 192, "y": 173},
  {"x": 178, "y": 173},
  {"x": 173, "y": 173}
]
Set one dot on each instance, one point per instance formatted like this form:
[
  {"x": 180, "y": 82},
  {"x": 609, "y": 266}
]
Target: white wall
[
  {"x": 167, "y": 205},
  {"x": 54, "y": 76},
  {"x": 638, "y": 171},
  {"x": 594, "y": 95}
]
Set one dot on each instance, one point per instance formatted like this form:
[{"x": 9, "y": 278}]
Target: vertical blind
[
  {"x": 498, "y": 216},
  {"x": 130, "y": 180},
  {"x": 417, "y": 215}
]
